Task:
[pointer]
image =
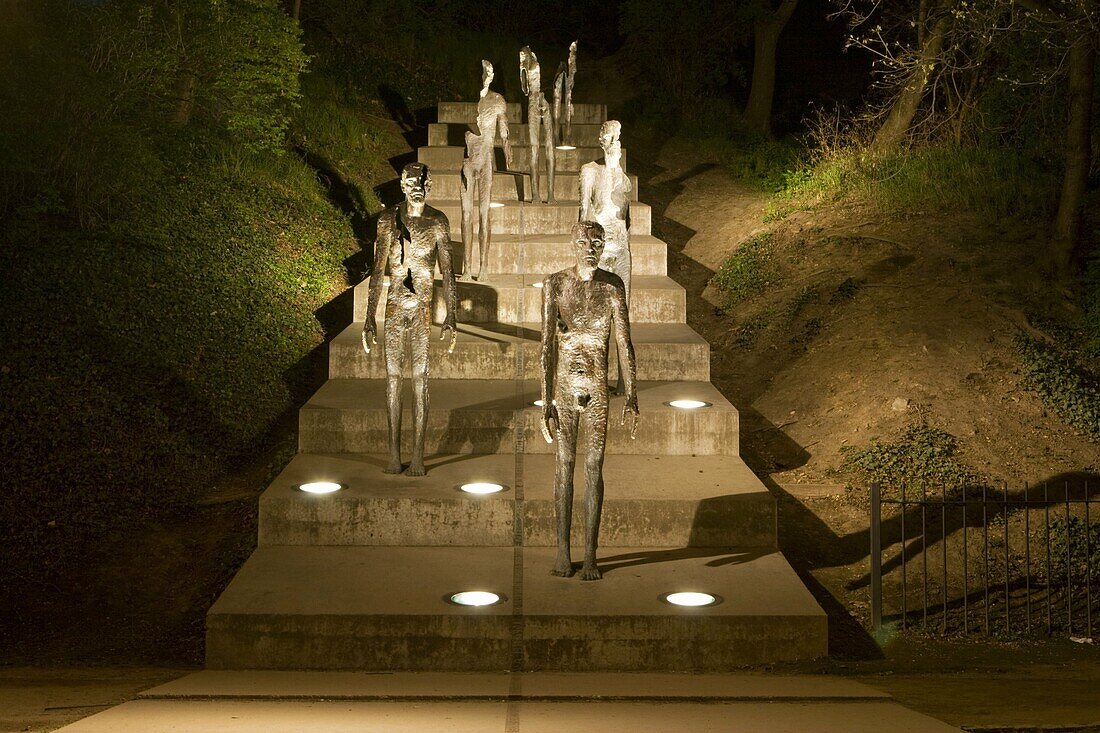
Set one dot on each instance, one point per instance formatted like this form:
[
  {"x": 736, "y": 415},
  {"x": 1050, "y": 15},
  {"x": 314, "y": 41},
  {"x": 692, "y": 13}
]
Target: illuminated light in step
[
  {"x": 690, "y": 599},
  {"x": 537, "y": 285},
  {"x": 496, "y": 205},
  {"x": 481, "y": 487},
  {"x": 688, "y": 404},
  {"x": 475, "y": 598},
  {"x": 566, "y": 147},
  {"x": 320, "y": 487}
]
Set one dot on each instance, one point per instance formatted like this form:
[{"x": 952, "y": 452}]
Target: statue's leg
[
  {"x": 394, "y": 331},
  {"x": 484, "y": 199},
  {"x": 563, "y": 482},
  {"x": 595, "y": 423},
  {"x": 467, "y": 179},
  {"x": 549, "y": 164},
  {"x": 419, "y": 331},
  {"x": 533, "y": 119}
]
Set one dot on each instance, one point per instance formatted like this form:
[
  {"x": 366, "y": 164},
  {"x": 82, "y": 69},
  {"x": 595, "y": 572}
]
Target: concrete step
[
  {"x": 673, "y": 501},
  {"x": 479, "y": 416},
  {"x": 511, "y": 185},
  {"x": 511, "y": 254},
  {"x": 458, "y": 112},
  {"x": 498, "y": 351},
  {"x": 442, "y": 133},
  {"x": 386, "y": 715},
  {"x": 518, "y": 299},
  {"x": 536, "y": 219},
  {"x": 451, "y": 157},
  {"x": 386, "y": 608}
]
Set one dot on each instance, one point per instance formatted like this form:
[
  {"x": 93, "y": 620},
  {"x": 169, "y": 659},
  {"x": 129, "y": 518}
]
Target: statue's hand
[
  {"x": 449, "y": 327},
  {"x": 549, "y": 421},
  {"x": 369, "y": 335},
  {"x": 630, "y": 409}
]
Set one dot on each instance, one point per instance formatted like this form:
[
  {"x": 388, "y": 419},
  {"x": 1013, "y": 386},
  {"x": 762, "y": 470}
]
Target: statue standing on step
[
  {"x": 477, "y": 170},
  {"x": 540, "y": 123},
  {"x": 563, "y": 98},
  {"x": 579, "y": 307},
  {"x": 412, "y": 237},
  {"x": 605, "y": 198}
]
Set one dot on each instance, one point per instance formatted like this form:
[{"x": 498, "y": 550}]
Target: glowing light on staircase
[
  {"x": 688, "y": 404},
  {"x": 475, "y": 598},
  {"x": 496, "y": 205},
  {"x": 320, "y": 487},
  {"x": 566, "y": 147},
  {"x": 691, "y": 599},
  {"x": 481, "y": 487},
  {"x": 537, "y": 285}
]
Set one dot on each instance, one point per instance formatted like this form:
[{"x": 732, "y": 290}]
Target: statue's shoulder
[
  {"x": 591, "y": 169},
  {"x": 388, "y": 218},
  {"x": 495, "y": 101},
  {"x": 555, "y": 279},
  {"x": 437, "y": 217},
  {"x": 609, "y": 278}
]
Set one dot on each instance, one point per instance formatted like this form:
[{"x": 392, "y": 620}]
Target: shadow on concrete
[{"x": 720, "y": 556}]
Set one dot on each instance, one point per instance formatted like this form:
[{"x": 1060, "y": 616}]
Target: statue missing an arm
[
  {"x": 579, "y": 307},
  {"x": 477, "y": 170},
  {"x": 412, "y": 237},
  {"x": 563, "y": 98},
  {"x": 540, "y": 123},
  {"x": 605, "y": 198}
]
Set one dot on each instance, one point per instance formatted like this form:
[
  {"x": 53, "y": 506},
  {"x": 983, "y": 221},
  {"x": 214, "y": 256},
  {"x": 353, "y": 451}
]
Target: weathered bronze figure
[
  {"x": 605, "y": 198},
  {"x": 579, "y": 307},
  {"x": 477, "y": 171},
  {"x": 570, "y": 77},
  {"x": 540, "y": 123},
  {"x": 412, "y": 237}
]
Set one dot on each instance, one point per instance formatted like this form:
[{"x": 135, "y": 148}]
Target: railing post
[{"x": 876, "y": 557}]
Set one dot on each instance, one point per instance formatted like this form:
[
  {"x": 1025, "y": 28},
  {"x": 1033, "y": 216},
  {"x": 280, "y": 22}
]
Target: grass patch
[
  {"x": 1063, "y": 383},
  {"x": 921, "y": 459},
  {"x": 749, "y": 270}
]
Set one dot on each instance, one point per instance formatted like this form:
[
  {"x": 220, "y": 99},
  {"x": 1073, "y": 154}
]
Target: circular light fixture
[
  {"x": 496, "y": 205},
  {"x": 481, "y": 487},
  {"x": 476, "y": 598},
  {"x": 537, "y": 285},
  {"x": 690, "y": 599},
  {"x": 320, "y": 487},
  {"x": 566, "y": 147},
  {"x": 688, "y": 404}
]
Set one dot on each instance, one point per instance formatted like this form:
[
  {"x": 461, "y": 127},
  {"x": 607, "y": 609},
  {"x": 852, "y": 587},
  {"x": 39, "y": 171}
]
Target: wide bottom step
[{"x": 386, "y": 608}]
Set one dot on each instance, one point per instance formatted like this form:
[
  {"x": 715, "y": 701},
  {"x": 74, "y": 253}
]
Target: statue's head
[
  {"x": 573, "y": 50},
  {"x": 486, "y": 73},
  {"x": 415, "y": 182},
  {"x": 527, "y": 59},
  {"x": 609, "y": 133},
  {"x": 587, "y": 243}
]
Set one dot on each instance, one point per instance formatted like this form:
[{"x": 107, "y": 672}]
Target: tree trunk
[
  {"x": 766, "y": 33},
  {"x": 186, "y": 98},
  {"x": 1067, "y": 222},
  {"x": 905, "y": 107},
  {"x": 297, "y": 9}
]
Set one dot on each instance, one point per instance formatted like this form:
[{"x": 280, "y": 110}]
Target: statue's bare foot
[
  {"x": 416, "y": 468},
  {"x": 394, "y": 467},
  {"x": 590, "y": 572},
  {"x": 563, "y": 569}
]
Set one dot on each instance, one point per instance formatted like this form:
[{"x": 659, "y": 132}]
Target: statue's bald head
[
  {"x": 588, "y": 241},
  {"x": 609, "y": 132},
  {"x": 415, "y": 181},
  {"x": 486, "y": 73}
]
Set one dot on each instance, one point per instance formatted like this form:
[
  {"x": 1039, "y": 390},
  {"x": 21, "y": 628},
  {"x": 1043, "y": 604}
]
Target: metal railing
[{"x": 1029, "y": 566}]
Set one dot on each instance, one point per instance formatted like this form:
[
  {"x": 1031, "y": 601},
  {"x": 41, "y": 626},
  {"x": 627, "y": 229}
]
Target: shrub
[
  {"x": 1074, "y": 551},
  {"x": 749, "y": 270},
  {"x": 923, "y": 458},
  {"x": 1062, "y": 383}
]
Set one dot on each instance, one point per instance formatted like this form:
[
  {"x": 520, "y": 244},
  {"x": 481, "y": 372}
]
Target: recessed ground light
[
  {"x": 320, "y": 487},
  {"x": 566, "y": 147},
  {"x": 481, "y": 487},
  {"x": 475, "y": 598},
  {"x": 496, "y": 205},
  {"x": 688, "y": 404},
  {"x": 540, "y": 403},
  {"x": 537, "y": 285},
  {"x": 691, "y": 599}
]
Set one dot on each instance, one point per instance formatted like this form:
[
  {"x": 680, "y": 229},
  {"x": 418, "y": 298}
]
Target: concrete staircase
[{"x": 359, "y": 579}]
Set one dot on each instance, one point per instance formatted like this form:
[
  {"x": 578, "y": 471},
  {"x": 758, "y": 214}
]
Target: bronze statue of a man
[
  {"x": 412, "y": 237},
  {"x": 477, "y": 170},
  {"x": 563, "y": 98},
  {"x": 605, "y": 198},
  {"x": 579, "y": 307},
  {"x": 540, "y": 123}
]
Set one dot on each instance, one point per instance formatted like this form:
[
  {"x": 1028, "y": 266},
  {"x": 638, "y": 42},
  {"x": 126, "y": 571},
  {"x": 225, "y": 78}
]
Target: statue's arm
[
  {"x": 620, "y": 312},
  {"x": 548, "y": 357},
  {"x": 378, "y": 274},
  {"x": 502, "y": 125},
  {"x": 446, "y": 272}
]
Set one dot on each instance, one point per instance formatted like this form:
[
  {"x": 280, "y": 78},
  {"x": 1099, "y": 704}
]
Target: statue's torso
[
  {"x": 583, "y": 328},
  {"x": 610, "y": 195},
  {"x": 412, "y": 252}
]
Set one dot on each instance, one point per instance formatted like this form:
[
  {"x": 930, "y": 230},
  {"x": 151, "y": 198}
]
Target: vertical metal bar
[
  {"x": 943, "y": 547},
  {"x": 924, "y": 552},
  {"x": 1027, "y": 553},
  {"x": 876, "y": 557},
  {"x": 985, "y": 553},
  {"x": 1008, "y": 598},
  {"x": 1050, "y": 580},
  {"x": 1088, "y": 566},
  {"x": 966, "y": 568},
  {"x": 904, "y": 566},
  {"x": 1069, "y": 567}
]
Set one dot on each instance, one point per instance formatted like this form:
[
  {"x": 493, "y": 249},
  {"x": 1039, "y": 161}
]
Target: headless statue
[
  {"x": 477, "y": 170},
  {"x": 559, "y": 91},
  {"x": 605, "y": 198},
  {"x": 412, "y": 237},
  {"x": 540, "y": 123},
  {"x": 563, "y": 98},
  {"x": 579, "y": 307}
]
